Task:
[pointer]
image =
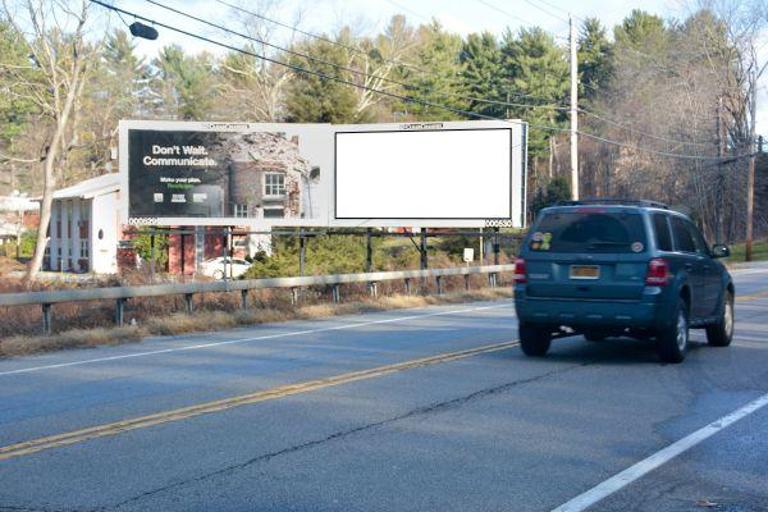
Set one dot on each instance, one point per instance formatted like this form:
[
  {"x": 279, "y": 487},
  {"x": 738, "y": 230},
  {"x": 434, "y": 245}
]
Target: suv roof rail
[{"x": 614, "y": 201}]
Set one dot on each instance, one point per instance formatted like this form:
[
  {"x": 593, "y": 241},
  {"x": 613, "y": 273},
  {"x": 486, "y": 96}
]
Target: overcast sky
[{"x": 371, "y": 16}]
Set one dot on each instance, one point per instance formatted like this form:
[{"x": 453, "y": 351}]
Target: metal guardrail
[{"x": 120, "y": 294}]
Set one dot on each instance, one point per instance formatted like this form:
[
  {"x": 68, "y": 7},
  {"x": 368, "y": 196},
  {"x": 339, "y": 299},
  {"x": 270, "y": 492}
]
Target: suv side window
[
  {"x": 683, "y": 239},
  {"x": 663, "y": 235},
  {"x": 698, "y": 239}
]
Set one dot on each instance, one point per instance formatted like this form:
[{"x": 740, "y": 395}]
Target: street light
[{"x": 143, "y": 31}]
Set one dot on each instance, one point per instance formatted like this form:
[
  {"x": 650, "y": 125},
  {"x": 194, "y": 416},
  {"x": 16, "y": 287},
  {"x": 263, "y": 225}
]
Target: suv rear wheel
[
  {"x": 534, "y": 340},
  {"x": 721, "y": 333},
  {"x": 672, "y": 342}
]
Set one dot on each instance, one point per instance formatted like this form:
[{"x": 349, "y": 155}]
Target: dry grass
[
  {"x": 76, "y": 338},
  {"x": 220, "y": 312}
]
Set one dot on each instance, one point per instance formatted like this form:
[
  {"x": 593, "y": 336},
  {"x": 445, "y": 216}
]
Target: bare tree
[
  {"x": 250, "y": 86},
  {"x": 59, "y": 51},
  {"x": 746, "y": 22},
  {"x": 378, "y": 59}
]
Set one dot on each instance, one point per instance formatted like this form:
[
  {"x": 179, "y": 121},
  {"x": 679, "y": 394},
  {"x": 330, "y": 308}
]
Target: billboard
[
  {"x": 262, "y": 175},
  {"x": 430, "y": 174},
  {"x": 190, "y": 173}
]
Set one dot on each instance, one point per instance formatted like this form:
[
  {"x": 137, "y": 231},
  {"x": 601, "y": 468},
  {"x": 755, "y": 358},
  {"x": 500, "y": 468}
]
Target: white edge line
[
  {"x": 645, "y": 466},
  {"x": 245, "y": 340}
]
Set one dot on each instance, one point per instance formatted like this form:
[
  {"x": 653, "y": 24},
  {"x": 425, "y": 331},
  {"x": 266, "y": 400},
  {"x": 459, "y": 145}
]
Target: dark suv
[{"x": 621, "y": 268}]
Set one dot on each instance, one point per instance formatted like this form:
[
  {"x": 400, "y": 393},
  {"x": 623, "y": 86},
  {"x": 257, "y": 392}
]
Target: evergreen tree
[
  {"x": 184, "y": 86},
  {"x": 536, "y": 69},
  {"x": 126, "y": 77},
  {"x": 642, "y": 35},
  {"x": 481, "y": 57},
  {"x": 438, "y": 77},
  {"x": 594, "y": 54},
  {"x": 314, "y": 99},
  {"x": 14, "y": 106}
]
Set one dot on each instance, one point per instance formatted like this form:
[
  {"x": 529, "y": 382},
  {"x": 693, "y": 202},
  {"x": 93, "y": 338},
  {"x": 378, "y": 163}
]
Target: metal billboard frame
[{"x": 327, "y": 214}]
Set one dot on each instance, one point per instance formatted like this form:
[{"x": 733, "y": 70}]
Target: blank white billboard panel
[{"x": 437, "y": 174}]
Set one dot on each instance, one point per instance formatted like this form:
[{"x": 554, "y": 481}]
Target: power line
[
  {"x": 504, "y": 12},
  {"x": 407, "y": 9},
  {"x": 558, "y": 8},
  {"x": 307, "y": 33},
  {"x": 311, "y": 58},
  {"x": 476, "y": 115},
  {"x": 362, "y": 52},
  {"x": 280, "y": 48},
  {"x": 302, "y": 70},
  {"x": 640, "y": 132},
  {"x": 545, "y": 11},
  {"x": 515, "y": 17}
]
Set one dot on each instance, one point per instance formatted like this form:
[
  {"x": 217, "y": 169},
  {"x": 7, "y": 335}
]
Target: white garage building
[{"x": 85, "y": 227}]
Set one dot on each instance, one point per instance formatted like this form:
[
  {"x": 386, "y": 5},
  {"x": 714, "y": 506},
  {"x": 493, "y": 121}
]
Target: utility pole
[
  {"x": 574, "y": 113},
  {"x": 751, "y": 195},
  {"x": 720, "y": 227},
  {"x": 751, "y": 172}
]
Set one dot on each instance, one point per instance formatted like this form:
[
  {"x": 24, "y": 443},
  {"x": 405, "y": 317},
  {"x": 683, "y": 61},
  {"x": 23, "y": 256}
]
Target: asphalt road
[{"x": 431, "y": 409}]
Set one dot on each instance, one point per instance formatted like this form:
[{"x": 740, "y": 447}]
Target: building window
[
  {"x": 57, "y": 212},
  {"x": 274, "y": 184},
  {"x": 69, "y": 219},
  {"x": 84, "y": 249},
  {"x": 274, "y": 213},
  {"x": 241, "y": 210}
]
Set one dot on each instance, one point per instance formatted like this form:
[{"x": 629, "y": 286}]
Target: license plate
[{"x": 585, "y": 272}]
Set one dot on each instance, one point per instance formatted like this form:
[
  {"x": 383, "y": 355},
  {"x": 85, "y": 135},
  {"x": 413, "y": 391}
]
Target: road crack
[{"x": 433, "y": 408}]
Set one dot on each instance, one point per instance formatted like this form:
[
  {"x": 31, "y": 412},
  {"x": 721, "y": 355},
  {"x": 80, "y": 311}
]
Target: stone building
[{"x": 268, "y": 178}]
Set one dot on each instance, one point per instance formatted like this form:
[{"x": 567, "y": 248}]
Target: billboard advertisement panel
[
  {"x": 452, "y": 174},
  {"x": 431, "y": 174},
  {"x": 225, "y": 173}
]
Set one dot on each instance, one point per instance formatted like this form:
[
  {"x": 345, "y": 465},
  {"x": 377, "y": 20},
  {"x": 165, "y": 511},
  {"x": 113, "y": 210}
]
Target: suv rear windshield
[{"x": 594, "y": 231}]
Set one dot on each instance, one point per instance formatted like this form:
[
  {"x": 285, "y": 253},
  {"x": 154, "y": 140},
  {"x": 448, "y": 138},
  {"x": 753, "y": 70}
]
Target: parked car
[
  {"x": 217, "y": 268},
  {"x": 621, "y": 268}
]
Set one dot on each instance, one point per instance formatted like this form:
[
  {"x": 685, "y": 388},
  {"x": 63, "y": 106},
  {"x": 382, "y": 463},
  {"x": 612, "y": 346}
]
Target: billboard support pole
[
  {"x": 302, "y": 252},
  {"x": 482, "y": 248},
  {"x": 496, "y": 246},
  {"x": 152, "y": 255},
  {"x": 230, "y": 253},
  {"x": 182, "y": 254},
  {"x": 424, "y": 258},
  {"x": 368, "y": 251},
  {"x": 224, "y": 253},
  {"x": 423, "y": 250}
]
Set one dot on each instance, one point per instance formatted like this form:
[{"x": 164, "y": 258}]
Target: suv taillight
[
  {"x": 658, "y": 272},
  {"x": 521, "y": 276}
]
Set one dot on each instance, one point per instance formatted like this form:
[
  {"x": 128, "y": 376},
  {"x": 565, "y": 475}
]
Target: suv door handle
[{"x": 689, "y": 266}]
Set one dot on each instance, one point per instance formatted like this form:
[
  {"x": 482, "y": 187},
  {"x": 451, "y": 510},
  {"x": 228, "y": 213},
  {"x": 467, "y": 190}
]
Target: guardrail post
[
  {"x": 244, "y": 299},
  {"x": 492, "y": 279},
  {"x": 47, "y": 320},
  {"x": 294, "y": 296},
  {"x": 336, "y": 293},
  {"x": 439, "y": 280},
  {"x": 189, "y": 303},
  {"x": 373, "y": 289},
  {"x": 466, "y": 282},
  {"x": 120, "y": 312},
  {"x": 407, "y": 285}
]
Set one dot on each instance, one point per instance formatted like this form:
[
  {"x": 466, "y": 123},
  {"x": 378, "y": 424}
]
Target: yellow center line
[{"x": 110, "y": 429}]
